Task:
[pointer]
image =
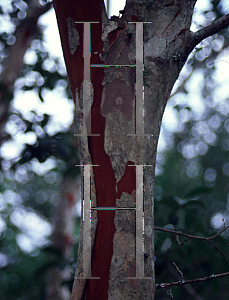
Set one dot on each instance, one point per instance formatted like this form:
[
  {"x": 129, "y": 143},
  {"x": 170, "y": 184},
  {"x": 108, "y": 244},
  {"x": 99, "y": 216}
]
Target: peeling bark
[{"x": 167, "y": 44}]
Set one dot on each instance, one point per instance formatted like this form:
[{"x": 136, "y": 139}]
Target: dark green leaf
[{"x": 198, "y": 192}]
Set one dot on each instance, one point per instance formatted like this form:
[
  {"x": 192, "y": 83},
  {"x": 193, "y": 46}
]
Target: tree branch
[
  {"x": 192, "y": 236},
  {"x": 197, "y": 280},
  {"x": 12, "y": 65},
  {"x": 25, "y": 34},
  {"x": 209, "y": 30},
  {"x": 177, "y": 277},
  {"x": 189, "y": 236}
]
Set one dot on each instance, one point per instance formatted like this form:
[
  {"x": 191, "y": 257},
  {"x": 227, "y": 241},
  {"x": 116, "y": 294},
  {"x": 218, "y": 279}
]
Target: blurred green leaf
[{"x": 198, "y": 192}]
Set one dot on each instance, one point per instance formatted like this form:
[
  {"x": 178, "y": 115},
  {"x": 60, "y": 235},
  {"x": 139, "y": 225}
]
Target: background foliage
[{"x": 191, "y": 192}]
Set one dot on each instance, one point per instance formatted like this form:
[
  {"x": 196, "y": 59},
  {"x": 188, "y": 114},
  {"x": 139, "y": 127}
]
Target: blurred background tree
[
  {"x": 39, "y": 180},
  {"x": 39, "y": 190}
]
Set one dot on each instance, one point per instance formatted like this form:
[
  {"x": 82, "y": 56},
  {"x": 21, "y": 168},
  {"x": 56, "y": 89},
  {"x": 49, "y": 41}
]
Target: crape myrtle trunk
[{"x": 114, "y": 152}]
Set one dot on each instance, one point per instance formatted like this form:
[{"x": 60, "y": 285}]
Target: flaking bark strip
[
  {"x": 119, "y": 109},
  {"x": 85, "y": 159},
  {"x": 73, "y": 36},
  {"x": 120, "y": 147}
]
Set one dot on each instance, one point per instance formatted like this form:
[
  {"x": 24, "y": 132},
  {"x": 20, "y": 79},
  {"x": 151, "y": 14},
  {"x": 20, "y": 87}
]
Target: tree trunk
[
  {"x": 123, "y": 155},
  {"x": 62, "y": 239},
  {"x": 65, "y": 216}
]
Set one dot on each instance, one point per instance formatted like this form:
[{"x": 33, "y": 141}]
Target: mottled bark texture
[{"x": 167, "y": 44}]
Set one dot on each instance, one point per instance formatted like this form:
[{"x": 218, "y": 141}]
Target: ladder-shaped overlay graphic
[{"x": 139, "y": 95}]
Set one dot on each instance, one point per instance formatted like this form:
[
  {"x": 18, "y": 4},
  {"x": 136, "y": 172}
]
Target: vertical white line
[
  {"x": 139, "y": 223},
  {"x": 139, "y": 79},
  {"x": 87, "y": 50},
  {"x": 87, "y": 95},
  {"x": 87, "y": 225}
]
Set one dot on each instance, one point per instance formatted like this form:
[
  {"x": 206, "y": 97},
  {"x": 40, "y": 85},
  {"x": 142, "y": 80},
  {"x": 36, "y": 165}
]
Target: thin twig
[
  {"x": 170, "y": 293},
  {"x": 208, "y": 239},
  {"x": 179, "y": 271},
  {"x": 191, "y": 236},
  {"x": 197, "y": 280}
]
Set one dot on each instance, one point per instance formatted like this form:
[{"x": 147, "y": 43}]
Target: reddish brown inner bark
[{"x": 104, "y": 175}]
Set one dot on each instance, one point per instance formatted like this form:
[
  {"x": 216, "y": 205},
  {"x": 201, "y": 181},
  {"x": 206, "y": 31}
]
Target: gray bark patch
[{"x": 73, "y": 36}]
